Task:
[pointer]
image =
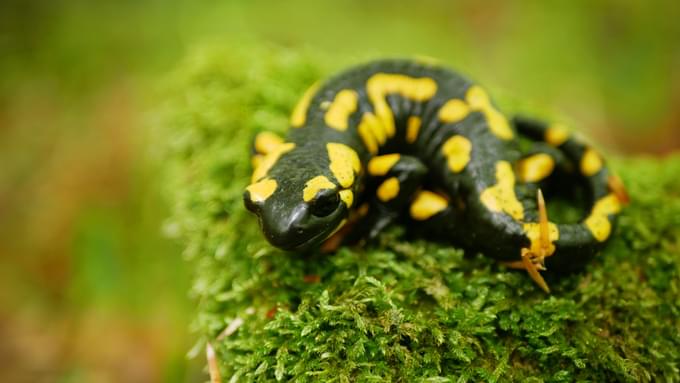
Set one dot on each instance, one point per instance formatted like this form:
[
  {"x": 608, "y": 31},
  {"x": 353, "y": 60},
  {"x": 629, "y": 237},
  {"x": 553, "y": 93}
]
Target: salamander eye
[{"x": 325, "y": 202}]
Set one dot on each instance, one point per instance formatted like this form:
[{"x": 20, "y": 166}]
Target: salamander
[{"x": 397, "y": 139}]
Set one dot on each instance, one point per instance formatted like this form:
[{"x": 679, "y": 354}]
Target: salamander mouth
[{"x": 308, "y": 244}]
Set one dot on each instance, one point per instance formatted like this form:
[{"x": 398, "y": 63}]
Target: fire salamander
[{"x": 402, "y": 138}]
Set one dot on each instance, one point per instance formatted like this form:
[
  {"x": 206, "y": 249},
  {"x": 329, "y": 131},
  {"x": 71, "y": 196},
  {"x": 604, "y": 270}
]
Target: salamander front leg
[{"x": 398, "y": 177}]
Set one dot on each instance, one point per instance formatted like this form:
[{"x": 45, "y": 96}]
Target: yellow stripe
[
  {"x": 344, "y": 163},
  {"x": 342, "y": 107},
  {"x": 266, "y": 142},
  {"x": 501, "y": 197},
  {"x": 598, "y": 220},
  {"x": 382, "y": 84},
  {"x": 270, "y": 159},
  {"x": 256, "y": 160},
  {"x": 260, "y": 191},
  {"x": 498, "y": 124},
  {"x": 478, "y": 100},
  {"x": 377, "y": 128},
  {"x": 299, "y": 115},
  {"x": 367, "y": 136}
]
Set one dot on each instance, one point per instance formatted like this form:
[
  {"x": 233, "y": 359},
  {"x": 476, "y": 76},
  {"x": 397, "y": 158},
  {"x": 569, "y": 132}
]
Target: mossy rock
[{"x": 402, "y": 309}]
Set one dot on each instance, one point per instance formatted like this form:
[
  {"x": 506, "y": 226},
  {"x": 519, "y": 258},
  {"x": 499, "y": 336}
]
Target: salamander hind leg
[{"x": 541, "y": 235}]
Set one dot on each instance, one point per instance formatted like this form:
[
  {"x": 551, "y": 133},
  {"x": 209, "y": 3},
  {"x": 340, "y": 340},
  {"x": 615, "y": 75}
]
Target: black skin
[{"x": 291, "y": 223}]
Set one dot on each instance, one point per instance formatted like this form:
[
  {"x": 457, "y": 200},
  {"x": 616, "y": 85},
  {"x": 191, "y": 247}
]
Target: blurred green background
[{"x": 92, "y": 286}]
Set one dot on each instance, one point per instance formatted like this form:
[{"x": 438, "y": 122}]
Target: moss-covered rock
[{"x": 401, "y": 310}]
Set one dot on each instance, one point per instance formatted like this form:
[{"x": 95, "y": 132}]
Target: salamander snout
[
  {"x": 297, "y": 229},
  {"x": 285, "y": 230}
]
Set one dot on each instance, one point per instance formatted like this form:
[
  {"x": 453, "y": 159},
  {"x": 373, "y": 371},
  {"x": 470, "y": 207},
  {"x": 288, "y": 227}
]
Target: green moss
[{"x": 401, "y": 310}]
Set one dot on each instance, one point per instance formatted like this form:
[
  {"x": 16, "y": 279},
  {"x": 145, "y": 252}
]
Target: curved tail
[{"x": 568, "y": 246}]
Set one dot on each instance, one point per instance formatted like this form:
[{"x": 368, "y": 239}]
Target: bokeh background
[{"x": 92, "y": 285}]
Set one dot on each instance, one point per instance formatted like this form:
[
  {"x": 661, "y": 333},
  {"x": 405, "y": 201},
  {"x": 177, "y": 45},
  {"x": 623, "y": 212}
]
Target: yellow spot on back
[
  {"x": 344, "y": 104},
  {"x": 412, "y": 129},
  {"x": 367, "y": 138},
  {"x": 344, "y": 163},
  {"x": 266, "y": 142},
  {"x": 299, "y": 115},
  {"x": 591, "y": 162},
  {"x": 376, "y": 127},
  {"x": 379, "y": 166},
  {"x": 260, "y": 191},
  {"x": 382, "y": 84},
  {"x": 556, "y": 135},
  {"x": 371, "y": 132},
  {"x": 388, "y": 190},
  {"x": 454, "y": 110},
  {"x": 426, "y": 204},
  {"x": 533, "y": 232},
  {"x": 598, "y": 221},
  {"x": 313, "y": 186},
  {"x": 501, "y": 197},
  {"x": 256, "y": 160},
  {"x": 347, "y": 196},
  {"x": 270, "y": 159},
  {"x": 478, "y": 100},
  {"x": 535, "y": 168},
  {"x": 499, "y": 125},
  {"x": 457, "y": 152}
]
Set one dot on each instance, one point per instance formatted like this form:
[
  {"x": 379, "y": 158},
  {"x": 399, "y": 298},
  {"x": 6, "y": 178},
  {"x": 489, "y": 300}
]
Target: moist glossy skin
[{"x": 402, "y": 138}]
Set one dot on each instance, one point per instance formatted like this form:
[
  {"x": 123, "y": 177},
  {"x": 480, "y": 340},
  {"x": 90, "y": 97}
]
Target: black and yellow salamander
[{"x": 402, "y": 138}]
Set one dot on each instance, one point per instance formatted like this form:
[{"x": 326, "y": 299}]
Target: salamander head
[{"x": 297, "y": 199}]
